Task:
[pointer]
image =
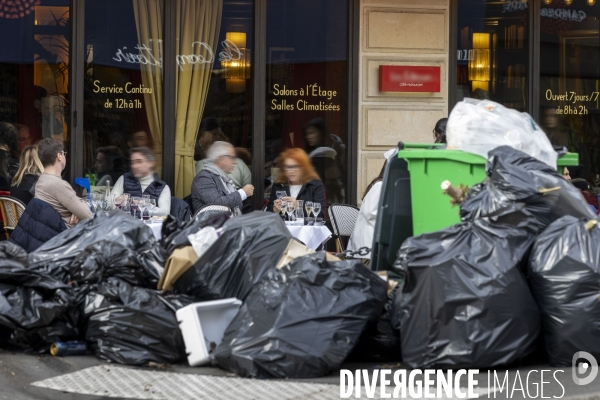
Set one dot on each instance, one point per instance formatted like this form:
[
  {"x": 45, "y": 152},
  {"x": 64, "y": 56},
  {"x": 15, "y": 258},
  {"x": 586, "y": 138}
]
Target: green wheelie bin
[{"x": 412, "y": 201}]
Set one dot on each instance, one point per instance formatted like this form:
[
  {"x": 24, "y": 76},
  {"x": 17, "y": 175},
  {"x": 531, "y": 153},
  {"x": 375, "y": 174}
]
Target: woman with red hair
[{"x": 298, "y": 179}]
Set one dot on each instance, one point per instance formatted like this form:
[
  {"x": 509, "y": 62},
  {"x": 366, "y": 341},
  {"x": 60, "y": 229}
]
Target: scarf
[{"x": 212, "y": 167}]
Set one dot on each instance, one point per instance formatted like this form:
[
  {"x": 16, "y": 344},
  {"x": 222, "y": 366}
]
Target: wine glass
[
  {"x": 283, "y": 208},
  {"x": 151, "y": 205},
  {"x": 308, "y": 206},
  {"x": 144, "y": 211},
  {"x": 117, "y": 201},
  {"x": 316, "y": 210},
  {"x": 126, "y": 207},
  {"x": 291, "y": 207},
  {"x": 135, "y": 205}
]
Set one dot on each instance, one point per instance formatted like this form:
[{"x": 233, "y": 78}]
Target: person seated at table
[
  {"x": 55, "y": 191},
  {"x": 109, "y": 165},
  {"x": 142, "y": 180},
  {"x": 30, "y": 169},
  {"x": 364, "y": 229},
  {"x": 210, "y": 132},
  {"x": 213, "y": 184},
  {"x": 298, "y": 179}
]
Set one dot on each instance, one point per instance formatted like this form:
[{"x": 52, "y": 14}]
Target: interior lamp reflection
[
  {"x": 479, "y": 64},
  {"x": 237, "y": 69}
]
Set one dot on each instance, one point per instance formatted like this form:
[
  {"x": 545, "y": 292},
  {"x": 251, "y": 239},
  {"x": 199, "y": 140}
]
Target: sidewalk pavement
[{"x": 18, "y": 371}]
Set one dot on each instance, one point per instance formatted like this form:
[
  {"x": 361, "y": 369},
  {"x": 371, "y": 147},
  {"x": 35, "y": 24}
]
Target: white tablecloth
[
  {"x": 311, "y": 236},
  {"x": 156, "y": 227}
]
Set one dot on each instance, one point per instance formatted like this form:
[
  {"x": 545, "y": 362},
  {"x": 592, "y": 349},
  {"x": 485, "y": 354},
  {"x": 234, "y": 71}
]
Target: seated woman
[
  {"x": 30, "y": 169},
  {"x": 362, "y": 236},
  {"x": 298, "y": 179}
]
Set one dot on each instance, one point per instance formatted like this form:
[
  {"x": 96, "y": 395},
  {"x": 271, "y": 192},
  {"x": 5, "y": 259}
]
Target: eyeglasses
[
  {"x": 64, "y": 154},
  {"x": 291, "y": 167},
  {"x": 230, "y": 157}
]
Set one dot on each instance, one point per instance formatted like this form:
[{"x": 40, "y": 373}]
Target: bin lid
[{"x": 425, "y": 151}]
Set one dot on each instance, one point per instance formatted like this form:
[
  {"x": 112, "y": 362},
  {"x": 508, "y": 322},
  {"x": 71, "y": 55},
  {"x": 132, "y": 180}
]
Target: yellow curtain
[
  {"x": 149, "y": 24},
  {"x": 198, "y": 25}
]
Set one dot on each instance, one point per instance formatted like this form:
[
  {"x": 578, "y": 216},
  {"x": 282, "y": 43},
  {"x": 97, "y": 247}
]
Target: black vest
[{"x": 132, "y": 186}]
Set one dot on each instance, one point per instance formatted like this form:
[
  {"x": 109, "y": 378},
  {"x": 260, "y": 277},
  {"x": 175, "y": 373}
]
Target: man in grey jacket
[{"x": 213, "y": 185}]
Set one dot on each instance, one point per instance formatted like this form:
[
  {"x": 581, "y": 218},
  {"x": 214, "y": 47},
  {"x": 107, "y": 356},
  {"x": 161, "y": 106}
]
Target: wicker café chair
[
  {"x": 214, "y": 207},
  {"x": 343, "y": 218},
  {"x": 11, "y": 209}
]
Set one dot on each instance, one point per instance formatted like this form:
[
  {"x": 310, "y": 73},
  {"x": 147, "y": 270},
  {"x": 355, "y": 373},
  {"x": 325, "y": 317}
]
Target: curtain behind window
[
  {"x": 149, "y": 24},
  {"x": 198, "y": 24}
]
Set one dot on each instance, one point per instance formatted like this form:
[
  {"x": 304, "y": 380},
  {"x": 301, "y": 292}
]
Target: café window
[
  {"x": 34, "y": 70},
  {"x": 492, "y": 52},
  {"x": 219, "y": 108},
  {"x": 569, "y": 104},
  {"x": 306, "y": 93},
  {"x": 123, "y": 85}
]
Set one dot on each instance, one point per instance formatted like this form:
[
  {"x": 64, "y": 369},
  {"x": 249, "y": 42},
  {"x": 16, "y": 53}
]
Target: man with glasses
[
  {"x": 55, "y": 191},
  {"x": 213, "y": 185}
]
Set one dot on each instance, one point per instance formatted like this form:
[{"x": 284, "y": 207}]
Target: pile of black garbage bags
[
  {"x": 97, "y": 282},
  {"x": 519, "y": 273}
]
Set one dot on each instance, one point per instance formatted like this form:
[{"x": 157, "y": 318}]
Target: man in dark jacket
[
  {"x": 39, "y": 223},
  {"x": 142, "y": 180},
  {"x": 213, "y": 185}
]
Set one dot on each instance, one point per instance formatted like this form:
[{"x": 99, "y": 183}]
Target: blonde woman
[{"x": 30, "y": 169}]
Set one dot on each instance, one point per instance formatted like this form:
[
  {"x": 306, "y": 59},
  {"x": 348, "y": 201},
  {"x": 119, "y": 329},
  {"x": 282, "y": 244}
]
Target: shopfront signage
[
  {"x": 514, "y": 5},
  {"x": 146, "y": 56},
  {"x": 311, "y": 97},
  {"x": 572, "y": 103},
  {"x": 409, "y": 79},
  {"x": 563, "y": 14}
]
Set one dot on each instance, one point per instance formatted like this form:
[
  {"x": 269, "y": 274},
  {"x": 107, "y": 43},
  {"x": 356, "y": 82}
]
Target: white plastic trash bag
[
  {"x": 203, "y": 239},
  {"x": 478, "y": 126}
]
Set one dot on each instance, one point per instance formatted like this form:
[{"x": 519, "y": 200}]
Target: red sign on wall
[{"x": 402, "y": 78}]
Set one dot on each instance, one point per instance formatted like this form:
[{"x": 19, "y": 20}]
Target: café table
[{"x": 312, "y": 236}]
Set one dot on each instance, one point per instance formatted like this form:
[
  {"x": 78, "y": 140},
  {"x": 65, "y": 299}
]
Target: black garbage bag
[
  {"x": 132, "y": 325},
  {"x": 518, "y": 187},
  {"x": 303, "y": 320},
  {"x": 35, "y": 308},
  {"x": 464, "y": 301},
  {"x": 56, "y": 255},
  {"x": 248, "y": 248},
  {"x": 175, "y": 233},
  {"x": 105, "y": 259},
  {"x": 11, "y": 251},
  {"x": 380, "y": 342},
  {"x": 564, "y": 274}
]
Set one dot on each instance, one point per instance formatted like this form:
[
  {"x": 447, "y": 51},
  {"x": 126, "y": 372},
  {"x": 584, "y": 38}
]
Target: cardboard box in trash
[
  {"x": 296, "y": 249},
  {"x": 180, "y": 261}
]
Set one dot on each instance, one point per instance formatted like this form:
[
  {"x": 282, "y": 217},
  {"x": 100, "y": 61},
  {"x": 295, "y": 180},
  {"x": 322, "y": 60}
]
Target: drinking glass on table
[
  {"x": 316, "y": 210},
  {"x": 135, "y": 205},
  {"x": 291, "y": 207},
  {"x": 308, "y": 206},
  {"x": 283, "y": 207},
  {"x": 117, "y": 201},
  {"x": 300, "y": 211},
  {"x": 126, "y": 206},
  {"x": 145, "y": 211},
  {"x": 151, "y": 206}
]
